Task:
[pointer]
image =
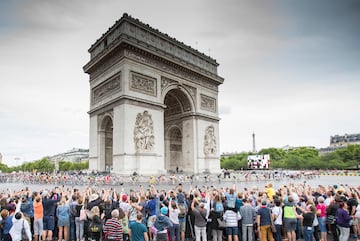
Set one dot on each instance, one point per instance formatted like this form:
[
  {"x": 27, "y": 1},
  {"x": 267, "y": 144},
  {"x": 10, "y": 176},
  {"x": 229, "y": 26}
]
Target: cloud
[{"x": 290, "y": 68}]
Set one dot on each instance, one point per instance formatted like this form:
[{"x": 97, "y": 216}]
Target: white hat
[{"x": 93, "y": 197}]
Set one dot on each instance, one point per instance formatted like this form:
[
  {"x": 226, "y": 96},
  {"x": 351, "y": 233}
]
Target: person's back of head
[
  {"x": 115, "y": 213},
  {"x": 232, "y": 191},
  {"x": 277, "y": 202},
  {"x": 18, "y": 215}
]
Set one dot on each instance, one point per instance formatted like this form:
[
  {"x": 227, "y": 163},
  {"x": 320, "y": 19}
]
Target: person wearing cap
[
  {"x": 94, "y": 200},
  {"x": 18, "y": 224},
  {"x": 263, "y": 220},
  {"x": 161, "y": 224}
]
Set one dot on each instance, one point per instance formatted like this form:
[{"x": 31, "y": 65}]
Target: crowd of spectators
[{"x": 295, "y": 211}]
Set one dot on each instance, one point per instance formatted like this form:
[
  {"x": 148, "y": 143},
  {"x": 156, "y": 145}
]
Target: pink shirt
[{"x": 322, "y": 208}]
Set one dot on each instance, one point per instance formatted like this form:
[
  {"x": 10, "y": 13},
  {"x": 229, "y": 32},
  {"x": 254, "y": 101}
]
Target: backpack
[
  {"x": 180, "y": 198},
  {"x": 231, "y": 202},
  {"x": 95, "y": 227},
  {"x": 219, "y": 207},
  {"x": 183, "y": 210}
]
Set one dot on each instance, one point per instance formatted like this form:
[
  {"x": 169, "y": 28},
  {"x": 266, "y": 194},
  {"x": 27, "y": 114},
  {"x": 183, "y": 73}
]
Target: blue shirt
[
  {"x": 137, "y": 231},
  {"x": 264, "y": 213},
  {"x": 7, "y": 225}
]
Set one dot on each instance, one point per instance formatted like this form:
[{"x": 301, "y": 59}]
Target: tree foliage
[
  {"x": 45, "y": 165},
  {"x": 300, "y": 159}
]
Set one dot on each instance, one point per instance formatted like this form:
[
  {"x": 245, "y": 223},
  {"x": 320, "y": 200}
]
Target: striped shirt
[
  {"x": 231, "y": 218},
  {"x": 113, "y": 229}
]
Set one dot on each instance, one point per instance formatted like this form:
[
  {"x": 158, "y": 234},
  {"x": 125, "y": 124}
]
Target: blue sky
[{"x": 291, "y": 68}]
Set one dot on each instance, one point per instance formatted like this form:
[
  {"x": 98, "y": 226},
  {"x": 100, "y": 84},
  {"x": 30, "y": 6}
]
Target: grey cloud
[
  {"x": 336, "y": 19},
  {"x": 225, "y": 110}
]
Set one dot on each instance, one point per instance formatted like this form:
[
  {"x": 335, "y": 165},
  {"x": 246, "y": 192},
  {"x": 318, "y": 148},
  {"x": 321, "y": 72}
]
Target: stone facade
[
  {"x": 344, "y": 140},
  {"x": 153, "y": 103}
]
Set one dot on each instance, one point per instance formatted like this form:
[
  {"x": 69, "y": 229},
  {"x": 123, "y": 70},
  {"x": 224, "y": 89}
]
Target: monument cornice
[
  {"x": 139, "y": 54},
  {"x": 126, "y": 99},
  {"x": 139, "y": 33},
  {"x": 174, "y": 68},
  {"x": 194, "y": 115}
]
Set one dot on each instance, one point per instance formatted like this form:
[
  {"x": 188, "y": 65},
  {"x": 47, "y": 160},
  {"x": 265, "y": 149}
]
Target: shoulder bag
[{"x": 83, "y": 214}]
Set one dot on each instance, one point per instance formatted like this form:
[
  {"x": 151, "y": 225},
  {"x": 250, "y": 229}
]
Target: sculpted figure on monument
[
  {"x": 144, "y": 132},
  {"x": 210, "y": 141}
]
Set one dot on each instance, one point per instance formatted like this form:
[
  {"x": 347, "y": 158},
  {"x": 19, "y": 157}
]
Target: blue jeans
[
  {"x": 72, "y": 228},
  {"x": 175, "y": 232},
  {"x": 308, "y": 233},
  {"x": 277, "y": 235}
]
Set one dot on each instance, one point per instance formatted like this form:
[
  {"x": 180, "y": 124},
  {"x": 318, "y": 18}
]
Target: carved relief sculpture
[
  {"x": 210, "y": 141},
  {"x": 143, "y": 84},
  {"x": 208, "y": 103},
  {"x": 144, "y": 138},
  {"x": 165, "y": 82},
  {"x": 107, "y": 88}
]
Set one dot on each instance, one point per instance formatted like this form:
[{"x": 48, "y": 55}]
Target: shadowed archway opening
[
  {"x": 106, "y": 143},
  {"x": 178, "y": 106}
]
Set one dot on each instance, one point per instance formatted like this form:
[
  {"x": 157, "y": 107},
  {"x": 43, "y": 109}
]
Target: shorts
[
  {"x": 182, "y": 226},
  {"x": 62, "y": 222},
  {"x": 38, "y": 226},
  {"x": 232, "y": 231},
  {"x": 356, "y": 221},
  {"x": 322, "y": 224},
  {"x": 48, "y": 223},
  {"x": 290, "y": 224},
  {"x": 151, "y": 221}
]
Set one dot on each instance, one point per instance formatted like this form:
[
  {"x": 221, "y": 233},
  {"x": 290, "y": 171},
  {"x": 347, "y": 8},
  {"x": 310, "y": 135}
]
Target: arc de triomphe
[{"x": 153, "y": 104}]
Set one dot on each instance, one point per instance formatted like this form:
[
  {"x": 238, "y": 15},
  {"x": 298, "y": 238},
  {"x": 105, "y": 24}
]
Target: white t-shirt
[
  {"x": 277, "y": 211},
  {"x": 174, "y": 215},
  {"x": 328, "y": 200}
]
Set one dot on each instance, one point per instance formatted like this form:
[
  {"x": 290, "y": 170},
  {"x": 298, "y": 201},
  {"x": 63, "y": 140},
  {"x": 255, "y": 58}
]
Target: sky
[{"x": 291, "y": 68}]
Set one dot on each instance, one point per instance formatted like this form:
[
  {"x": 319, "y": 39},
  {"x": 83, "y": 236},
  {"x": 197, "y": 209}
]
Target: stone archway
[
  {"x": 106, "y": 143},
  {"x": 178, "y": 107},
  {"x": 174, "y": 149},
  {"x": 153, "y": 103}
]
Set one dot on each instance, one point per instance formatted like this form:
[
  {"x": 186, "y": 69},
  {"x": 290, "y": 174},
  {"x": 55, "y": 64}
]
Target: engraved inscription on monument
[
  {"x": 210, "y": 141},
  {"x": 142, "y": 83},
  {"x": 144, "y": 138},
  {"x": 208, "y": 103},
  {"x": 107, "y": 88}
]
